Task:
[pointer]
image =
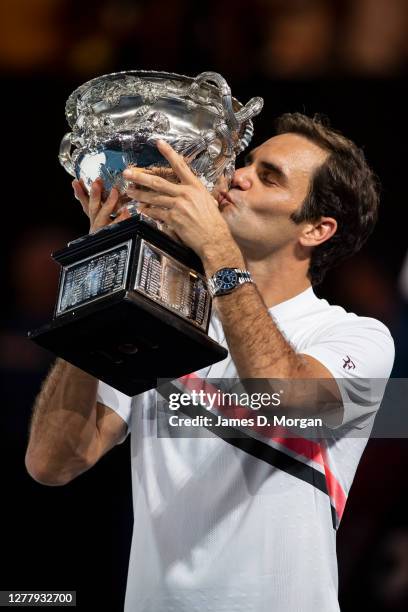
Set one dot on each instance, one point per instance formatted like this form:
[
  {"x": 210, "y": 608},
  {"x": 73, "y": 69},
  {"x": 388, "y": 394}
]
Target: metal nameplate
[
  {"x": 94, "y": 277},
  {"x": 172, "y": 284}
]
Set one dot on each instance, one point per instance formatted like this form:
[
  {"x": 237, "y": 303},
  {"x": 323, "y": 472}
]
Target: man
[{"x": 240, "y": 523}]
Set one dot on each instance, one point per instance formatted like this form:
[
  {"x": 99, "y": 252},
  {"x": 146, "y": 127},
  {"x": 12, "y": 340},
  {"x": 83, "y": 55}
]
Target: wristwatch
[{"x": 226, "y": 280}]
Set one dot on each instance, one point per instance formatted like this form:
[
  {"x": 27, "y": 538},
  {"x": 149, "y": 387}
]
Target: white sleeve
[
  {"x": 117, "y": 401},
  {"x": 359, "y": 354}
]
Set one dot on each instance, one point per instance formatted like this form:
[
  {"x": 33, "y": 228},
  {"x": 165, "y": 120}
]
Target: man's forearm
[
  {"x": 257, "y": 346},
  {"x": 63, "y": 426}
]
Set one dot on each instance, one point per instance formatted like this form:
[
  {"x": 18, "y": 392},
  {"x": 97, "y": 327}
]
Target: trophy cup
[{"x": 133, "y": 304}]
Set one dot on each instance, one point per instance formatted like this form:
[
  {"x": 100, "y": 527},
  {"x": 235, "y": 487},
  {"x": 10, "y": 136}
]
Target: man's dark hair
[{"x": 343, "y": 187}]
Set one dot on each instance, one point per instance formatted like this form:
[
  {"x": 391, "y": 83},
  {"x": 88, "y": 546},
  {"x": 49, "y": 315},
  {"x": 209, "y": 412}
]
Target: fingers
[
  {"x": 123, "y": 214},
  {"x": 81, "y": 195},
  {"x": 95, "y": 208},
  {"x": 177, "y": 162},
  {"x": 152, "y": 203},
  {"x": 159, "y": 214},
  {"x": 95, "y": 198},
  {"x": 149, "y": 197},
  {"x": 90, "y": 203},
  {"x": 156, "y": 183},
  {"x": 164, "y": 227},
  {"x": 101, "y": 216}
]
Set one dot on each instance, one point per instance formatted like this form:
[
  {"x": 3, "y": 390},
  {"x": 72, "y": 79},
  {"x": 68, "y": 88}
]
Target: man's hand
[
  {"x": 97, "y": 209},
  {"x": 187, "y": 208}
]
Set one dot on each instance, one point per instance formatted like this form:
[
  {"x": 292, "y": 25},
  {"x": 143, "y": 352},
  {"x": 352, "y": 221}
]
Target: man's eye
[{"x": 269, "y": 179}]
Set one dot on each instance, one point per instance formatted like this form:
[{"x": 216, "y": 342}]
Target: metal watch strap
[{"x": 243, "y": 276}]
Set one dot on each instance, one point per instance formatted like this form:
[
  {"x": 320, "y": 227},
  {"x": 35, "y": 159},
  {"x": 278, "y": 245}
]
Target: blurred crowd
[
  {"x": 276, "y": 38},
  {"x": 347, "y": 58}
]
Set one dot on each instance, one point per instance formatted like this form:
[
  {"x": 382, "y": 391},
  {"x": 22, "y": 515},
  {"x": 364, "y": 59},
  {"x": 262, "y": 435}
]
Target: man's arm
[
  {"x": 258, "y": 347},
  {"x": 69, "y": 430}
]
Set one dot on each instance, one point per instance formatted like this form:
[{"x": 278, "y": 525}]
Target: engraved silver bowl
[{"x": 116, "y": 119}]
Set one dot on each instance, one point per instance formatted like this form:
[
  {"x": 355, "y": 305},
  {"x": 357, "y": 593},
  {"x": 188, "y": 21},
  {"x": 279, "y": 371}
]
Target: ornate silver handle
[
  {"x": 225, "y": 92},
  {"x": 251, "y": 108},
  {"x": 65, "y": 154},
  {"x": 233, "y": 120}
]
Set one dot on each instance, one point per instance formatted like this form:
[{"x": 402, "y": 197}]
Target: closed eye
[{"x": 268, "y": 179}]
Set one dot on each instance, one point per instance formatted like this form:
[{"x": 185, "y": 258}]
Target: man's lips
[{"x": 224, "y": 198}]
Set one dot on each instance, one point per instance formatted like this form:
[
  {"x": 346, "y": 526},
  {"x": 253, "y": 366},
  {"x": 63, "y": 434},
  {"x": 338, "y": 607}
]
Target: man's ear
[{"x": 315, "y": 233}]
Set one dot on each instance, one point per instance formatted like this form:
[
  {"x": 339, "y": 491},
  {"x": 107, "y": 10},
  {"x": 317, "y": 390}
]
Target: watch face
[{"x": 226, "y": 279}]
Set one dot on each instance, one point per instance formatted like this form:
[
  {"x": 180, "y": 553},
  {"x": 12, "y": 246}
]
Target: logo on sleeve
[{"x": 348, "y": 364}]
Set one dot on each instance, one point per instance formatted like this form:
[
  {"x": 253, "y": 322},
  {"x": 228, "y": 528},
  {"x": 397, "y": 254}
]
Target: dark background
[{"x": 345, "y": 59}]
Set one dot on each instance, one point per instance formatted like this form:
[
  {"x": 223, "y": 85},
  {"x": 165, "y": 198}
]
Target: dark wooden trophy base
[{"x": 113, "y": 329}]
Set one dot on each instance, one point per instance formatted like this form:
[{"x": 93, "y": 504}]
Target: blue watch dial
[{"x": 226, "y": 279}]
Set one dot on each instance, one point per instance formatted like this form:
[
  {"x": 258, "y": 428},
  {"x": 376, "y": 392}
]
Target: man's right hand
[{"x": 97, "y": 209}]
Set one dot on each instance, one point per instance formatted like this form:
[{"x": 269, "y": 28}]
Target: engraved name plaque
[
  {"x": 172, "y": 284},
  {"x": 93, "y": 277}
]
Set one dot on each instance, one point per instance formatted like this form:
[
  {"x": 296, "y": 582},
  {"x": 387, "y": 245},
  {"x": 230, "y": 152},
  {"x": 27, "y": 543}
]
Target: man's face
[{"x": 267, "y": 190}]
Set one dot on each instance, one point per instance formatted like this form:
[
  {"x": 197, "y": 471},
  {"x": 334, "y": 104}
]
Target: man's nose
[{"x": 241, "y": 179}]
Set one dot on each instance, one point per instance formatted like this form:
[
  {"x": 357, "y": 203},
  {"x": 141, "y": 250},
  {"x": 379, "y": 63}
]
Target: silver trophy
[
  {"x": 132, "y": 269},
  {"x": 117, "y": 118}
]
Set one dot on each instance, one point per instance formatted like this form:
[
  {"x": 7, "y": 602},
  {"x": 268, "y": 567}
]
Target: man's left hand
[{"x": 187, "y": 208}]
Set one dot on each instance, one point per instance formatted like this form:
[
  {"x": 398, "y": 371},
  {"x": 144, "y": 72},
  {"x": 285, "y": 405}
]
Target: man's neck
[{"x": 278, "y": 278}]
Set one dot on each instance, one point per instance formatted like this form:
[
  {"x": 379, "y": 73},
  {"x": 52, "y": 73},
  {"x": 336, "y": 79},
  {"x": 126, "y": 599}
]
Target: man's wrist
[{"x": 227, "y": 255}]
